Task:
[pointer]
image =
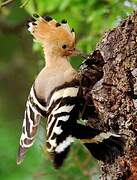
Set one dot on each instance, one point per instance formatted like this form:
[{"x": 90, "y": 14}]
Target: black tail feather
[
  {"x": 107, "y": 150},
  {"x": 104, "y": 146},
  {"x": 58, "y": 158}
]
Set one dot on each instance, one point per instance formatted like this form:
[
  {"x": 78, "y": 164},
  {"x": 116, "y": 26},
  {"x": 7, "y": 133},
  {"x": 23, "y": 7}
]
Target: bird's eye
[{"x": 64, "y": 46}]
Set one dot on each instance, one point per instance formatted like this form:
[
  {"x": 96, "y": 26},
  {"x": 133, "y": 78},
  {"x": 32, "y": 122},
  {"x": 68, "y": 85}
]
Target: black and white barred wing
[
  {"x": 63, "y": 112},
  {"x": 33, "y": 112},
  {"x": 62, "y": 129}
]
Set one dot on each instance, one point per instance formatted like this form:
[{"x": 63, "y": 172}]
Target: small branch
[
  {"x": 5, "y": 3},
  {"x": 24, "y": 4}
]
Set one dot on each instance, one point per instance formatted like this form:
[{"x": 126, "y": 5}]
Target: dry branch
[{"x": 5, "y": 3}]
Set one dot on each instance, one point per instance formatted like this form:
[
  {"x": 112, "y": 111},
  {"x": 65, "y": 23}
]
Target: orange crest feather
[{"x": 46, "y": 28}]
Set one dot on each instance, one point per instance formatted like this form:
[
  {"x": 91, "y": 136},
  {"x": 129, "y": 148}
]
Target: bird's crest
[{"x": 44, "y": 28}]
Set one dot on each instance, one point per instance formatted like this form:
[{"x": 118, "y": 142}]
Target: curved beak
[{"x": 75, "y": 52}]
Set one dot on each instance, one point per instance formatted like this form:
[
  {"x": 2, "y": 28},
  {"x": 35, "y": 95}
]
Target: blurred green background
[{"x": 20, "y": 61}]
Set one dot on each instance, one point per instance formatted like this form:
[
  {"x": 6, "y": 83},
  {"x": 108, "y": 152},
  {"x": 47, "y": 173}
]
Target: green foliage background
[{"x": 20, "y": 61}]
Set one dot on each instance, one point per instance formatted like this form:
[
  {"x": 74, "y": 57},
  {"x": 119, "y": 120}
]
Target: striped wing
[
  {"x": 62, "y": 129},
  {"x": 63, "y": 112},
  {"x": 34, "y": 111}
]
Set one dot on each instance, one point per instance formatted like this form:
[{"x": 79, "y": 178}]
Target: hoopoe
[{"x": 56, "y": 95}]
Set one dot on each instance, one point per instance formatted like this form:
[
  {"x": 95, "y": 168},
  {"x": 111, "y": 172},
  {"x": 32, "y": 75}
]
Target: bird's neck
[
  {"x": 57, "y": 72},
  {"x": 53, "y": 60}
]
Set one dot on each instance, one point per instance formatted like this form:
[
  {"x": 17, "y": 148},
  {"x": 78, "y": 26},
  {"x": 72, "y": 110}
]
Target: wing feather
[
  {"x": 33, "y": 112},
  {"x": 61, "y": 117}
]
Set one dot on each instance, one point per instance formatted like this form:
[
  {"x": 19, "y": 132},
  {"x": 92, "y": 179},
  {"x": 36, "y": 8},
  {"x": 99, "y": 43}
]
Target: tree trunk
[{"x": 114, "y": 96}]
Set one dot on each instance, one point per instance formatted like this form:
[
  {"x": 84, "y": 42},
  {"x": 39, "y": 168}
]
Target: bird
[{"x": 56, "y": 95}]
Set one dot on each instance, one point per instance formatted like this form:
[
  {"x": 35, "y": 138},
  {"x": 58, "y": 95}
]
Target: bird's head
[{"x": 55, "y": 37}]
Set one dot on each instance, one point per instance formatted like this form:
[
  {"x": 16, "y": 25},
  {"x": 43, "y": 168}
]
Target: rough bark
[{"x": 114, "y": 96}]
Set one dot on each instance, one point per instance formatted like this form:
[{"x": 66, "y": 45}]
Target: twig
[
  {"x": 24, "y": 4},
  {"x": 5, "y": 3}
]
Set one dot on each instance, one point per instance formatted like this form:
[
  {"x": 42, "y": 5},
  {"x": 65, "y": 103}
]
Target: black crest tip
[
  {"x": 72, "y": 30},
  {"x": 36, "y": 15},
  {"x": 58, "y": 24},
  {"x": 31, "y": 19},
  {"x": 64, "y": 21},
  {"x": 47, "y": 18},
  {"x": 34, "y": 23}
]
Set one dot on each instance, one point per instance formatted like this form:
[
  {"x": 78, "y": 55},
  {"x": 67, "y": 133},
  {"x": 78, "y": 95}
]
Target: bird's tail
[
  {"x": 104, "y": 146},
  {"x": 21, "y": 153},
  {"x": 108, "y": 149}
]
